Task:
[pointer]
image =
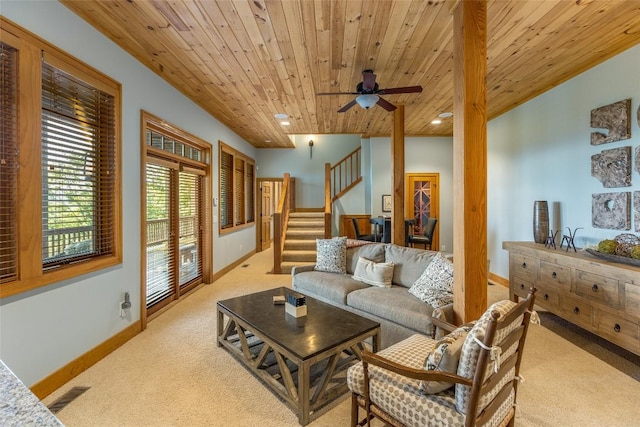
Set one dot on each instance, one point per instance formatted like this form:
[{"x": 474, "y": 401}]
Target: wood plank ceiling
[{"x": 243, "y": 61}]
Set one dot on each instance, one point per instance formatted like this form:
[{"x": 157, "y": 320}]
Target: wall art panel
[
  {"x": 615, "y": 118},
  {"x": 611, "y": 210}
]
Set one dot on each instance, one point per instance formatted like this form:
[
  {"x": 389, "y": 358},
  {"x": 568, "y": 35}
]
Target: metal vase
[{"x": 540, "y": 221}]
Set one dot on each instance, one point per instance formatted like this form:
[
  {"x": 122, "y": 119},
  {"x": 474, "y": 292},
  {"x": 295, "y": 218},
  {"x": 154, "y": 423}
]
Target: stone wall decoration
[
  {"x": 611, "y": 210},
  {"x": 636, "y": 209},
  {"x": 615, "y": 118},
  {"x": 638, "y": 155},
  {"x": 612, "y": 167}
]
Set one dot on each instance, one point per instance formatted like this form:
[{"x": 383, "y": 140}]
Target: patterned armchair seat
[{"x": 426, "y": 382}]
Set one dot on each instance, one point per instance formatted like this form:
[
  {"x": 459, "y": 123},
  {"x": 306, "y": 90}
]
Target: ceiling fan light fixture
[{"x": 367, "y": 101}]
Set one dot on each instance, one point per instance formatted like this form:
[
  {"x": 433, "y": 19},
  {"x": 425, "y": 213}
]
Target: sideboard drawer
[
  {"x": 597, "y": 288},
  {"x": 520, "y": 287},
  {"x": 576, "y": 310},
  {"x": 555, "y": 275},
  {"x": 632, "y": 299},
  {"x": 547, "y": 296},
  {"x": 525, "y": 266},
  {"x": 617, "y": 330}
]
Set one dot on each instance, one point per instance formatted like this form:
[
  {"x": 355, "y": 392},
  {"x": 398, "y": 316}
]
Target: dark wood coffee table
[{"x": 318, "y": 347}]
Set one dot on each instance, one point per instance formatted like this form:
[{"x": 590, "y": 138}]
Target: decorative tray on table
[{"x": 614, "y": 258}]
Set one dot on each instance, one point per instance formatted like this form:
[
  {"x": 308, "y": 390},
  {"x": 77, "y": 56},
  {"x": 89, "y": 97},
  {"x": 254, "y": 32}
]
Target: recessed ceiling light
[
  {"x": 281, "y": 116},
  {"x": 436, "y": 122},
  {"x": 445, "y": 115},
  {"x": 285, "y": 123}
]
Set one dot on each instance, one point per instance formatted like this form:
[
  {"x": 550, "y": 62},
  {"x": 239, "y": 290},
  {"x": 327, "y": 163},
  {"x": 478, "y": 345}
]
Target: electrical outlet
[{"x": 443, "y": 248}]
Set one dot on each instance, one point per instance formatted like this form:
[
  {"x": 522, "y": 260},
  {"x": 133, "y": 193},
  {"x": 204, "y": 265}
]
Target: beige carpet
[{"x": 173, "y": 374}]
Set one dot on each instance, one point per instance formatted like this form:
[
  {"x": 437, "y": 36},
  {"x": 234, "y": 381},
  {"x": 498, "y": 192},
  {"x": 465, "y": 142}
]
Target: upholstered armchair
[{"x": 469, "y": 377}]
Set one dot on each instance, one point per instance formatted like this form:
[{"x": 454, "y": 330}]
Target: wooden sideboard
[{"x": 600, "y": 296}]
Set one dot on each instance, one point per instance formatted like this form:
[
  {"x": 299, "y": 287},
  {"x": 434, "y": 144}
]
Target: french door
[
  {"x": 173, "y": 231},
  {"x": 422, "y": 201},
  {"x": 176, "y": 251}
]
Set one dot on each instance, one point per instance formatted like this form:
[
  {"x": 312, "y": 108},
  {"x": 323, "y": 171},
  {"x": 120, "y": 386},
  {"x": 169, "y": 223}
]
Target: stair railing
[
  {"x": 281, "y": 220},
  {"x": 345, "y": 174},
  {"x": 328, "y": 202}
]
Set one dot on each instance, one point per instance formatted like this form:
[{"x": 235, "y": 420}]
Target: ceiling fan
[{"x": 369, "y": 93}]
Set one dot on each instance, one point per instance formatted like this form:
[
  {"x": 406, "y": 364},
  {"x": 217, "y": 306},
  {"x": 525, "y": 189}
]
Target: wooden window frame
[
  {"x": 32, "y": 51},
  {"x": 242, "y": 194}
]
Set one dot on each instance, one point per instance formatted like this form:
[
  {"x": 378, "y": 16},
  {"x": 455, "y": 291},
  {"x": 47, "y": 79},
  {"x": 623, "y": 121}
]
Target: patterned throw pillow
[
  {"x": 445, "y": 357},
  {"x": 435, "y": 285},
  {"x": 331, "y": 255},
  {"x": 374, "y": 273}
]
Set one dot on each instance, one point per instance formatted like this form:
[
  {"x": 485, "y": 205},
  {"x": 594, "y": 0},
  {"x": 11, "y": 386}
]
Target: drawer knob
[
  {"x": 617, "y": 327},
  {"x": 524, "y": 265},
  {"x": 594, "y": 288},
  {"x": 576, "y": 310},
  {"x": 546, "y": 297},
  {"x": 554, "y": 275},
  {"x": 521, "y": 285}
]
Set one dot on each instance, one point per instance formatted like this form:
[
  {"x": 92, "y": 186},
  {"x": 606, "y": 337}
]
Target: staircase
[{"x": 300, "y": 241}]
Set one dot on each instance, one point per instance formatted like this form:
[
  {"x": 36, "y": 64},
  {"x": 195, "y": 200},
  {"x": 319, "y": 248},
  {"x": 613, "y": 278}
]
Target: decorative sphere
[
  {"x": 607, "y": 246},
  {"x": 635, "y": 252}
]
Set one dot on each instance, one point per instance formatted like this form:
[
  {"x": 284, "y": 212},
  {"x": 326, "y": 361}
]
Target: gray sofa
[{"x": 399, "y": 313}]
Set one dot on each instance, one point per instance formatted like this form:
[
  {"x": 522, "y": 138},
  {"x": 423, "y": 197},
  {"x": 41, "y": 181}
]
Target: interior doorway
[
  {"x": 423, "y": 201},
  {"x": 269, "y": 190}
]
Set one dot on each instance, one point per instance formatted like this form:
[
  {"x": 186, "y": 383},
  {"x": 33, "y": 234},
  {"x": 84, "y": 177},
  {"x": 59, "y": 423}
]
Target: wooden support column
[
  {"x": 397, "y": 171},
  {"x": 470, "y": 160}
]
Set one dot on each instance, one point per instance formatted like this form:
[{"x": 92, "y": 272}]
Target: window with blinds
[
  {"x": 60, "y": 195},
  {"x": 237, "y": 189},
  {"x": 8, "y": 162},
  {"x": 226, "y": 189},
  {"x": 78, "y": 169}
]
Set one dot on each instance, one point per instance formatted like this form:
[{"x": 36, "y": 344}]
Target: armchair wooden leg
[{"x": 354, "y": 410}]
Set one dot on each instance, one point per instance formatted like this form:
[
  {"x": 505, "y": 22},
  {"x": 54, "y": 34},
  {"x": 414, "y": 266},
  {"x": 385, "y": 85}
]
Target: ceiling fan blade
[
  {"x": 338, "y": 93},
  {"x": 346, "y": 107},
  {"x": 368, "y": 80},
  {"x": 408, "y": 89},
  {"x": 386, "y": 104}
]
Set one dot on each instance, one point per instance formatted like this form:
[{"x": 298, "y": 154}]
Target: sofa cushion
[
  {"x": 331, "y": 255},
  {"x": 331, "y": 287},
  {"x": 395, "y": 304},
  {"x": 435, "y": 284},
  {"x": 373, "y": 273},
  {"x": 445, "y": 357},
  {"x": 409, "y": 263},
  {"x": 373, "y": 252}
]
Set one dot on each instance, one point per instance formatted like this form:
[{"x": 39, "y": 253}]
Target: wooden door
[
  {"x": 266, "y": 202},
  {"x": 265, "y": 215},
  {"x": 423, "y": 201}
]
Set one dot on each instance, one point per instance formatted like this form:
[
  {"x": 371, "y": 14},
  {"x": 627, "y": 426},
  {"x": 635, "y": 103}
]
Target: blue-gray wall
[
  {"x": 542, "y": 151},
  {"x": 43, "y": 330}
]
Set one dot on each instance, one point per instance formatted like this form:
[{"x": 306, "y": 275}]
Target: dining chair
[
  {"x": 367, "y": 237},
  {"x": 426, "y": 238}
]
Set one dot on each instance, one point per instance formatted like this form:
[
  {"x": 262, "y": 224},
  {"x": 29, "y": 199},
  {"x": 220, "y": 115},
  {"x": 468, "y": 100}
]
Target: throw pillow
[
  {"x": 435, "y": 285},
  {"x": 373, "y": 273},
  {"x": 331, "y": 255},
  {"x": 444, "y": 357}
]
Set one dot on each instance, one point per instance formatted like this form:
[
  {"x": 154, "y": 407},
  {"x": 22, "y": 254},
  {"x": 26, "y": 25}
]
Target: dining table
[{"x": 382, "y": 228}]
